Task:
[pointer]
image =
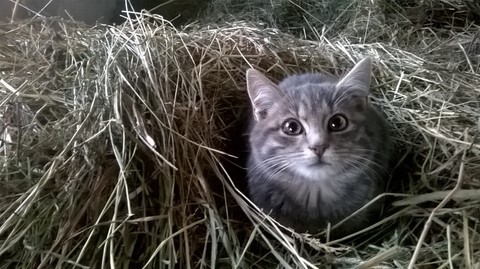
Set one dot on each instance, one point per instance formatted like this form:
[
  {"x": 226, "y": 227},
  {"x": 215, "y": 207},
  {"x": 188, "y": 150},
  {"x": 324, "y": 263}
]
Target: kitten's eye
[
  {"x": 337, "y": 123},
  {"x": 292, "y": 127}
]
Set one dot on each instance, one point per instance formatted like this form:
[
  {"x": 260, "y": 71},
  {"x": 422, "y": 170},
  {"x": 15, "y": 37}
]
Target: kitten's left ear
[{"x": 358, "y": 79}]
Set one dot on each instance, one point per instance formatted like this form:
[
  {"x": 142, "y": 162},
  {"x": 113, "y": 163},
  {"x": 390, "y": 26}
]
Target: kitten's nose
[{"x": 319, "y": 149}]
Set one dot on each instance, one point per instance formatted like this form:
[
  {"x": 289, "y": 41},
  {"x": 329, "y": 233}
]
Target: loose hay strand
[{"x": 428, "y": 223}]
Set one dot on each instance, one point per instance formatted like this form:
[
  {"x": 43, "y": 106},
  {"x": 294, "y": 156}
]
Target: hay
[
  {"x": 302, "y": 18},
  {"x": 116, "y": 145}
]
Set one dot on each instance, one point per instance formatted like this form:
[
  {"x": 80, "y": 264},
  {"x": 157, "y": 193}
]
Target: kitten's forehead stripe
[
  {"x": 312, "y": 101},
  {"x": 302, "y": 112}
]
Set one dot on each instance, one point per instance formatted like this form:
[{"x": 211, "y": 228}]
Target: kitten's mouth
[
  {"x": 319, "y": 162},
  {"x": 314, "y": 162}
]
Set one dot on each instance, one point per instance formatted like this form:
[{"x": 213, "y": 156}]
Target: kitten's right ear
[
  {"x": 263, "y": 93},
  {"x": 358, "y": 79}
]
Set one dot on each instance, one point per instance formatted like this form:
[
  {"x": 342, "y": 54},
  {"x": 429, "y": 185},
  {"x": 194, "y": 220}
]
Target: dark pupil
[
  {"x": 292, "y": 127},
  {"x": 336, "y": 122}
]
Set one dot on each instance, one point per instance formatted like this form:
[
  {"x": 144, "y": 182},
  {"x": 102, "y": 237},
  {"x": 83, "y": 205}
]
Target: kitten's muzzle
[{"x": 319, "y": 149}]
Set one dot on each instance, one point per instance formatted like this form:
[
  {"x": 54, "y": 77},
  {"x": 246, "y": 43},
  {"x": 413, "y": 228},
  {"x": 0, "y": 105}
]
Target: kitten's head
[{"x": 311, "y": 125}]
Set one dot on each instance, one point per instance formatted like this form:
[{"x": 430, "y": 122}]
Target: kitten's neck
[
  {"x": 312, "y": 194},
  {"x": 316, "y": 189}
]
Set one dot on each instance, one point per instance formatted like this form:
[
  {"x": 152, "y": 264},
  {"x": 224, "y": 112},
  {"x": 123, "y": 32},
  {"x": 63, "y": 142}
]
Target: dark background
[{"x": 103, "y": 11}]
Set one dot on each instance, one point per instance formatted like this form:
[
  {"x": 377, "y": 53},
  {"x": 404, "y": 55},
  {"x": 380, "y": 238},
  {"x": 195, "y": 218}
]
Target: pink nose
[{"x": 319, "y": 149}]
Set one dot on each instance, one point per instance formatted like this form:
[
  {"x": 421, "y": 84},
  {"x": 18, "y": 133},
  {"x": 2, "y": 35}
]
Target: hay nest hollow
[{"x": 116, "y": 144}]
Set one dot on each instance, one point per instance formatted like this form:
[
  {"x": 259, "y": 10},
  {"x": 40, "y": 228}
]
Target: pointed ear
[
  {"x": 263, "y": 93},
  {"x": 358, "y": 79}
]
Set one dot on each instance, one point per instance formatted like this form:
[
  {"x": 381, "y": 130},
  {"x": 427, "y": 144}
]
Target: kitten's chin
[{"x": 317, "y": 171}]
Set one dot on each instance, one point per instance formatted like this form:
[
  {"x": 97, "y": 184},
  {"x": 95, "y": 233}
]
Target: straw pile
[{"x": 117, "y": 143}]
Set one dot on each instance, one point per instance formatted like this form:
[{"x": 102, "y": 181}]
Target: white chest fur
[{"x": 315, "y": 187}]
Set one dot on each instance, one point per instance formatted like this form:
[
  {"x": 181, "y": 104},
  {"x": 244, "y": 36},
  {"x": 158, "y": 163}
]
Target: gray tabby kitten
[{"x": 319, "y": 150}]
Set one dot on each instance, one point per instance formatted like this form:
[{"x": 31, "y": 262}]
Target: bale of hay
[{"x": 117, "y": 146}]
